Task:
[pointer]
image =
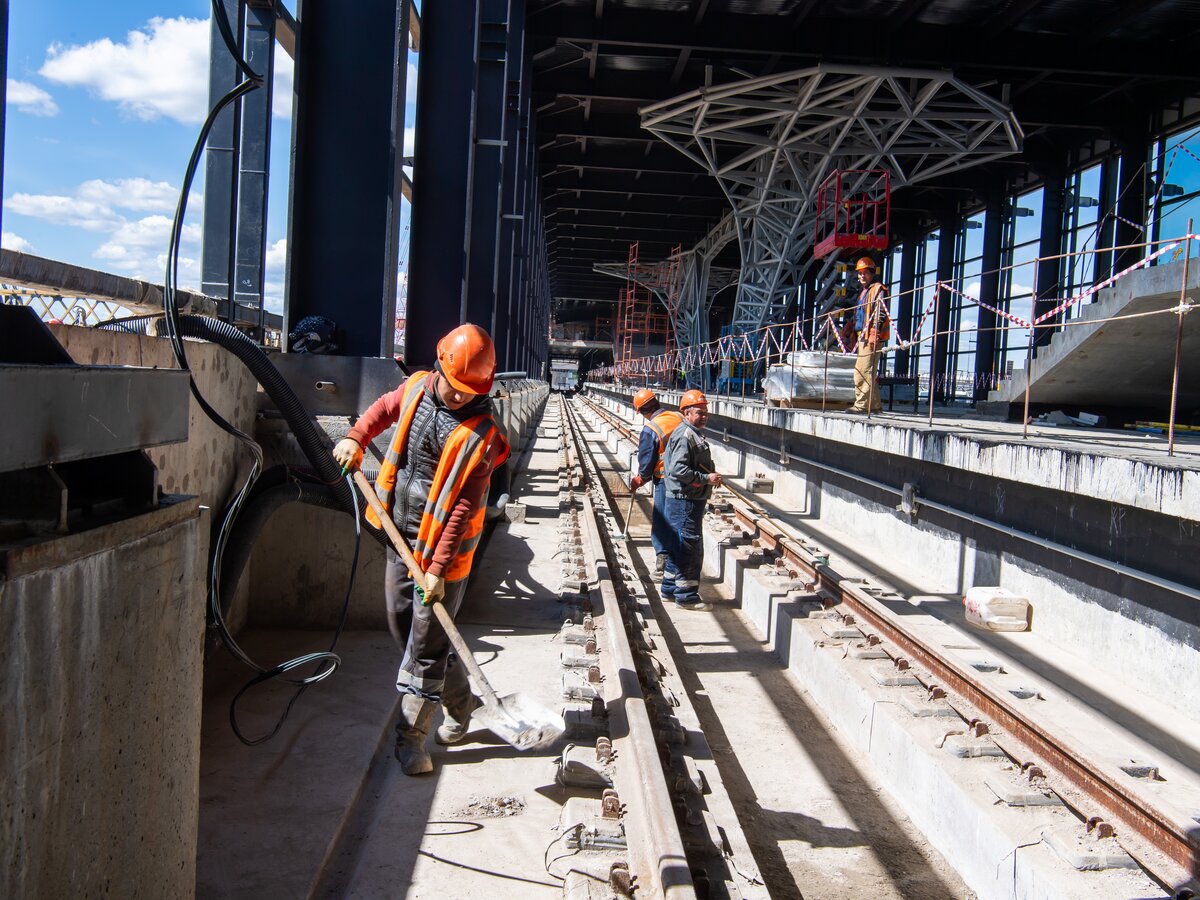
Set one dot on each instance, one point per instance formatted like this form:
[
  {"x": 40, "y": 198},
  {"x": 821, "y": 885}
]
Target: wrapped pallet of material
[{"x": 807, "y": 377}]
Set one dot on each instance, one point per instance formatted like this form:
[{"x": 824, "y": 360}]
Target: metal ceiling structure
[
  {"x": 1076, "y": 73},
  {"x": 770, "y": 142}
]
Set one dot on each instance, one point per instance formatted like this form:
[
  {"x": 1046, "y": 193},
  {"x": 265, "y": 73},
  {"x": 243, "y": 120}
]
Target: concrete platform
[{"x": 1123, "y": 363}]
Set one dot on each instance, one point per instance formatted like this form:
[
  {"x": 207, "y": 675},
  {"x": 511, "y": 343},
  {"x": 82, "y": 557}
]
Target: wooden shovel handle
[{"x": 465, "y": 656}]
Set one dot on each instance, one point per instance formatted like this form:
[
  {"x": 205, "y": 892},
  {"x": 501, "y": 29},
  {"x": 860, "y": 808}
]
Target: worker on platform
[
  {"x": 653, "y": 441},
  {"x": 434, "y": 481},
  {"x": 872, "y": 324},
  {"x": 688, "y": 482}
]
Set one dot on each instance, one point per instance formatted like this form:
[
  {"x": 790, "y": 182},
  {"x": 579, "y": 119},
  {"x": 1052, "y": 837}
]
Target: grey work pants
[{"x": 429, "y": 668}]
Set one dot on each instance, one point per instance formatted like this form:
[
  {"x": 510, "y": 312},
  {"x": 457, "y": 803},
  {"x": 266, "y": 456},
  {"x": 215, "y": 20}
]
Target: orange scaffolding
[{"x": 643, "y": 322}]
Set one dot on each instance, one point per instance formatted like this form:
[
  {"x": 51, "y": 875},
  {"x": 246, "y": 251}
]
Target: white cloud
[
  {"x": 162, "y": 71},
  {"x": 973, "y": 290},
  {"x": 410, "y": 141},
  {"x": 152, "y": 232},
  {"x": 11, "y": 241},
  {"x": 276, "y": 254},
  {"x": 281, "y": 98},
  {"x": 139, "y": 194},
  {"x": 64, "y": 211},
  {"x": 410, "y": 82},
  {"x": 29, "y": 98}
]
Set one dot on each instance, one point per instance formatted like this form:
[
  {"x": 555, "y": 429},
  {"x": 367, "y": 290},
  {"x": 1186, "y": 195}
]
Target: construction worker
[
  {"x": 434, "y": 481},
  {"x": 689, "y": 479},
  {"x": 872, "y": 326},
  {"x": 659, "y": 425}
]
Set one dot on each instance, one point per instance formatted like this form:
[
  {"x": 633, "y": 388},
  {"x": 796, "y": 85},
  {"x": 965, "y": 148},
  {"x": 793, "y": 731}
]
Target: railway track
[
  {"x": 1104, "y": 798},
  {"x": 664, "y": 825}
]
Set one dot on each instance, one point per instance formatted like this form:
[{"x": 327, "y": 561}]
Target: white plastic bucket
[{"x": 996, "y": 609}]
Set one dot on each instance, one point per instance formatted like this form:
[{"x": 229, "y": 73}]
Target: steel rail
[
  {"x": 654, "y": 841},
  {"x": 1169, "y": 850}
]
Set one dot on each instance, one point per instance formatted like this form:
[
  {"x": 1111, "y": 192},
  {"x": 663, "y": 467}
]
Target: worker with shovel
[
  {"x": 434, "y": 483},
  {"x": 659, "y": 425},
  {"x": 689, "y": 480}
]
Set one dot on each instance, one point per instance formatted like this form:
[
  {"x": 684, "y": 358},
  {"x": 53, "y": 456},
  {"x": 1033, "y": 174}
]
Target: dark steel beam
[
  {"x": 965, "y": 47},
  {"x": 986, "y": 361},
  {"x": 672, "y": 184},
  {"x": 254, "y": 161},
  {"x": 514, "y": 173},
  {"x": 939, "y": 375},
  {"x": 221, "y": 163},
  {"x": 1049, "y": 267},
  {"x": 488, "y": 175},
  {"x": 344, "y": 189},
  {"x": 443, "y": 168}
]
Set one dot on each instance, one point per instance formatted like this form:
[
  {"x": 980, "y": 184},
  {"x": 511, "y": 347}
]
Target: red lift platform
[{"x": 853, "y": 209}]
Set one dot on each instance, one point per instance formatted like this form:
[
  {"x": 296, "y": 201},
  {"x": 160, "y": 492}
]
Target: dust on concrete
[{"x": 478, "y": 807}]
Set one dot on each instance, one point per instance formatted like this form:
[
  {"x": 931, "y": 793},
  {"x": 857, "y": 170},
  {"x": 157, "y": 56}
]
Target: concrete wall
[
  {"x": 100, "y": 678},
  {"x": 211, "y": 463}
]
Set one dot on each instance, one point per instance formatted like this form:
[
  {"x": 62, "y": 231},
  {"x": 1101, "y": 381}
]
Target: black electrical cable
[
  {"x": 327, "y": 662},
  {"x": 226, "y": 31}
]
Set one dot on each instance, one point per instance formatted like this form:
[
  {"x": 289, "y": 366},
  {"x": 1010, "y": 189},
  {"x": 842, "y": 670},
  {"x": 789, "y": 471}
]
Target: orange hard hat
[
  {"x": 866, "y": 264},
  {"x": 468, "y": 359},
  {"x": 642, "y": 397},
  {"x": 692, "y": 398}
]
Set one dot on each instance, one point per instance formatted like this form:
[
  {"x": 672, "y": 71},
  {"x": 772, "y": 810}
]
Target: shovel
[
  {"x": 624, "y": 535},
  {"x": 517, "y": 719}
]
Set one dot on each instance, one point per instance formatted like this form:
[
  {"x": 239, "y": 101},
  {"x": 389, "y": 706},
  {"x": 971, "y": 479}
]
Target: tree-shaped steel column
[{"x": 771, "y": 141}]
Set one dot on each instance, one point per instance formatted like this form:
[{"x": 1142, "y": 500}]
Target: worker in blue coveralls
[
  {"x": 653, "y": 441},
  {"x": 688, "y": 482}
]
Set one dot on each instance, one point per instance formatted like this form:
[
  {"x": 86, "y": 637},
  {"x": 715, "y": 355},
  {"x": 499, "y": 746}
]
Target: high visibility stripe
[
  {"x": 662, "y": 425},
  {"x": 385, "y": 483},
  {"x": 465, "y": 448}
]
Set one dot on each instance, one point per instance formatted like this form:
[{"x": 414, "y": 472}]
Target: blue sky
[{"x": 104, "y": 105}]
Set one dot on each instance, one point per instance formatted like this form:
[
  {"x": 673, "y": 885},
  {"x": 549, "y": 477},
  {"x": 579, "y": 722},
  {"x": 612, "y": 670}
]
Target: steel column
[
  {"x": 1050, "y": 264},
  {"x": 347, "y": 139},
  {"x": 940, "y": 353},
  {"x": 221, "y": 164},
  {"x": 442, "y": 176},
  {"x": 513, "y": 176},
  {"x": 3, "y": 90},
  {"x": 393, "y": 234},
  {"x": 905, "y": 313},
  {"x": 1131, "y": 202},
  {"x": 488, "y": 168},
  {"x": 253, "y": 161},
  {"x": 989, "y": 291},
  {"x": 1105, "y": 239}
]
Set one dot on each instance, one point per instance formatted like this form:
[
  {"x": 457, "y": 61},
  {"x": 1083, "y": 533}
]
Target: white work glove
[
  {"x": 348, "y": 453},
  {"x": 435, "y": 589}
]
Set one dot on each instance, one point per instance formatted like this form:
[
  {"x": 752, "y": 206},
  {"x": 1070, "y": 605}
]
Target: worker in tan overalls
[{"x": 873, "y": 326}]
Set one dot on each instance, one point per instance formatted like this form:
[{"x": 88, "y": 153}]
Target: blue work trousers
[
  {"x": 685, "y": 555},
  {"x": 660, "y": 528}
]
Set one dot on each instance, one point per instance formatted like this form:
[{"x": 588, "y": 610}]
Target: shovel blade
[{"x": 521, "y": 721}]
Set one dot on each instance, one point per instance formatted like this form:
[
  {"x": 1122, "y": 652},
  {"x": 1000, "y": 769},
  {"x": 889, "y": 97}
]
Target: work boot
[
  {"x": 412, "y": 726},
  {"x": 458, "y": 721},
  {"x": 660, "y": 563}
]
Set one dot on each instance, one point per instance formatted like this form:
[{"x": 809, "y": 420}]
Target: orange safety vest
[
  {"x": 662, "y": 425},
  {"x": 466, "y": 447},
  {"x": 877, "y": 327}
]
